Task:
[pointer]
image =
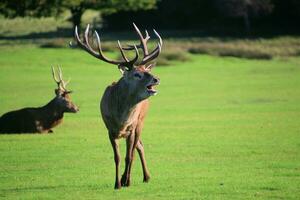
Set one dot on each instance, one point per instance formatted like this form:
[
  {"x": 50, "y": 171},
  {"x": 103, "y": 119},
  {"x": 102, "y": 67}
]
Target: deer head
[
  {"x": 62, "y": 99},
  {"x": 136, "y": 76}
]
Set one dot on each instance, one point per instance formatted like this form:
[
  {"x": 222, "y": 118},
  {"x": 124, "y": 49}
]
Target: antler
[
  {"x": 60, "y": 82},
  {"x": 143, "y": 45},
  {"x": 86, "y": 46}
]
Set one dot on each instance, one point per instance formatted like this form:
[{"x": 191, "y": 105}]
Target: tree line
[
  {"x": 239, "y": 16},
  {"x": 245, "y": 15},
  {"x": 46, "y": 8}
]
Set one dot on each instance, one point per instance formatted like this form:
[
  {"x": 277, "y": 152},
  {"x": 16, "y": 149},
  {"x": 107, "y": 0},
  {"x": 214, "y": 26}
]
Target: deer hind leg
[
  {"x": 130, "y": 146},
  {"x": 140, "y": 149},
  {"x": 115, "y": 146}
]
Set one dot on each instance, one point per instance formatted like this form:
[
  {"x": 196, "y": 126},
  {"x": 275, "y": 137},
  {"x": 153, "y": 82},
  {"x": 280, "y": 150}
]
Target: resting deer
[
  {"x": 42, "y": 119},
  {"x": 124, "y": 104}
]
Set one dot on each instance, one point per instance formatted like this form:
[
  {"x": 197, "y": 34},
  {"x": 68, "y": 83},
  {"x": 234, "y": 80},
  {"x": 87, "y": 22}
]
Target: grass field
[{"x": 220, "y": 128}]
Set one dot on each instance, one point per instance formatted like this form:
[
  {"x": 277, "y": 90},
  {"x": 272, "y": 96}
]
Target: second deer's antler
[{"x": 59, "y": 80}]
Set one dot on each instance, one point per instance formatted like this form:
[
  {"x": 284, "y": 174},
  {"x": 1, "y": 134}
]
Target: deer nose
[
  {"x": 156, "y": 80},
  {"x": 75, "y": 109}
]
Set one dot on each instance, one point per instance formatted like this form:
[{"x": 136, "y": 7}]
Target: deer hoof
[
  {"x": 125, "y": 181},
  {"x": 146, "y": 179},
  {"x": 117, "y": 185}
]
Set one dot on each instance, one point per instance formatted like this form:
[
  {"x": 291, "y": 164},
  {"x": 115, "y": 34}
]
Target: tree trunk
[
  {"x": 76, "y": 13},
  {"x": 247, "y": 23}
]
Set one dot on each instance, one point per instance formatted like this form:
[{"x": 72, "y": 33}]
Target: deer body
[
  {"x": 120, "y": 113},
  {"x": 31, "y": 120},
  {"x": 41, "y": 119},
  {"x": 124, "y": 104}
]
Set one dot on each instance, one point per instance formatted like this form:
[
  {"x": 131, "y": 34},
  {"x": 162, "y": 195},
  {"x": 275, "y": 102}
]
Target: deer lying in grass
[
  {"x": 42, "y": 119},
  {"x": 124, "y": 104}
]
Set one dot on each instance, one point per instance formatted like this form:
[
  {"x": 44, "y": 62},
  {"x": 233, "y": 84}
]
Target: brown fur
[
  {"x": 38, "y": 120},
  {"x": 123, "y": 112},
  {"x": 42, "y": 119},
  {"x": 124, "y": 104}
]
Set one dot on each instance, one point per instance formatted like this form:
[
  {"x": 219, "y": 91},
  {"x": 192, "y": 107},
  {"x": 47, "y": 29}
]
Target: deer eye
[
  {"x": 138, "y": 75},
  {"x": 65, "y": 94}
]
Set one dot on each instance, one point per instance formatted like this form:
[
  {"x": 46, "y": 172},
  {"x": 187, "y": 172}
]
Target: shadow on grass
[
  {"x": 131, "y": 35},
  {"x": 59, "y": 33},
  {"x": 23, "y": 189}
]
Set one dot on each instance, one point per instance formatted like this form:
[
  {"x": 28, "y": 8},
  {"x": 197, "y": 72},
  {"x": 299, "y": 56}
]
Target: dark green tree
[
  {"x": 33, "y": 8},
  {"x": 38, "y": 8},
  {"x": 245, "y": 9},
  {"x": 78, "y": 7}
]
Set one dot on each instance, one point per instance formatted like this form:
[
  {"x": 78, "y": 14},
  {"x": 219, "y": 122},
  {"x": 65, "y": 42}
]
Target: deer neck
[
  {"x": 127, "y": 98},
  {"x": 52, "y": 114},
  {"x": 125, "y": 102}
]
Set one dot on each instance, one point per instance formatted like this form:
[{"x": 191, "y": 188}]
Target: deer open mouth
[{"x": 151, "y": 90}]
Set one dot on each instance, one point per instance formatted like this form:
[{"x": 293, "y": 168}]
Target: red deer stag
[
  {"x": 124, "y": 104},
  {"x": 42, "y": 119}
]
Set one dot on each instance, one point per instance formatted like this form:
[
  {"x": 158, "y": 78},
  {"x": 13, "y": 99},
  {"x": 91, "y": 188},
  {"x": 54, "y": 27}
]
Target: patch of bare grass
[
  {"x": 250, "y": 49},
  {"x": 167, "y": 57},
  {"x": 56, "y": 43}
]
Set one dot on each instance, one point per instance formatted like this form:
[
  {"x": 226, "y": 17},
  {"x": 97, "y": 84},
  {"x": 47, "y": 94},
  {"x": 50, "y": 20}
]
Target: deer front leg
[
  {"x": 125, "y": 181},
  {"x": 115, "y": 146},
  {"x": 140, "y": 149}
]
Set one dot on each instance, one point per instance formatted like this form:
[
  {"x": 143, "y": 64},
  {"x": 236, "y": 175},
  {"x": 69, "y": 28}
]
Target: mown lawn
[{"x": 220, "y": 128}]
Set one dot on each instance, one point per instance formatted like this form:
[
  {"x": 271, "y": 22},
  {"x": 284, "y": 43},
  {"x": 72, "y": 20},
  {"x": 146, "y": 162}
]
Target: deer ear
[
  {"x": 150, "y": 66},
  {"x": 123, "y": 69},
  {"x": 58, "y": 92}
]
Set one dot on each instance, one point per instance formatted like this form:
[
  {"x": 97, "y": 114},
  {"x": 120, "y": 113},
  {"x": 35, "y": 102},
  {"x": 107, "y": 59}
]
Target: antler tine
[
  {"x": 136, "y": 56},
  {"x": 63, "y": 84},
  {"x": 85, "y": 43},
  {"x": 122, "y": 52},
  {"x": 143, "y": 45},
  {"x": 154, "y": 54},
  {"x": 86, "y": 34},
  {"x": 60, "y": 74},
  {"x": 59, "y": 80},
  {"x": 86, "y": 46},
  {"x": 102, "y": 57},
  {"x": 160, "y": 40},
  {"x": 54, "y": 76},
  {"x": 143, "y": 40},
  {"x": 125, "y": 58},
  {"x": 66, "y": 83}
]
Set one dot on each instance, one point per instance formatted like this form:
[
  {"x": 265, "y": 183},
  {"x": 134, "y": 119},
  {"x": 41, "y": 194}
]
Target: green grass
[{"x": 220, "y": 128}]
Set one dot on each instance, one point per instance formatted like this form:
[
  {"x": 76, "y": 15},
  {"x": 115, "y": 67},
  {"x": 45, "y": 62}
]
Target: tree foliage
[
  {"x": 33, "y": 8},
  {"x": 245, "y": 9},
  {"x": 212, "y": 15},
  {"x": 39, "y": 8},
  {"x": 217, "y": 16},
  {"x": 240, "y": 8},
  {"x": 130, "y": 5}
]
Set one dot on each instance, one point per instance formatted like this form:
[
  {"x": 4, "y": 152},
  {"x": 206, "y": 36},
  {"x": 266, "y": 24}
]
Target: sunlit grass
[{"x": 220, "y": 128}]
